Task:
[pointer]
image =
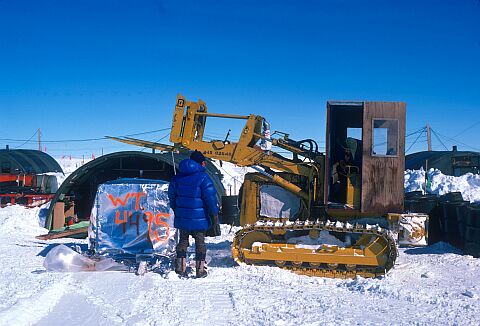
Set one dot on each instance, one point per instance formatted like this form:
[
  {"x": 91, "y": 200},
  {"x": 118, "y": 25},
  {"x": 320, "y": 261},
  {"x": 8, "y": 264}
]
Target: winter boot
[
  {"x": 181, "y": 266},
  {"x": 200, "y": 269}
]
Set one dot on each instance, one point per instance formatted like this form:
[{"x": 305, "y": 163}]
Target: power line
[
  {"x": 468, "y": 128},
  {"x": 82, "y": 140},
  {"x": 148, "y": 132},
  {"x": 415, "y": 140},
  {"x": 453, "y": 140},
  {"x": 436, "y": 135},
  {"x": 86, "y": 149},
  {"x": 162, "y": 138},
  {"x": 28, "y": 139},
  {"x": 414, "y": 132}
]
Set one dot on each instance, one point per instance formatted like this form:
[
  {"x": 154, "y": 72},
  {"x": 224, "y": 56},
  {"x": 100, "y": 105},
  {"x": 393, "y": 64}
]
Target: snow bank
[
  {"x": 419, "y": 290},
  {"x": 233, "y": 176},
  {"x": 18, "y": 220},
  {"x": 440, "y": 184}
]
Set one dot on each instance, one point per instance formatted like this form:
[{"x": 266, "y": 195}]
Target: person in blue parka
[{"x": 193, "y": 199}]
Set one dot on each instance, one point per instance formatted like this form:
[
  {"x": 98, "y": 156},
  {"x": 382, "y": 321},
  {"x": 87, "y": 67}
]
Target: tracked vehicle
[{"x": 309, "y": 212}]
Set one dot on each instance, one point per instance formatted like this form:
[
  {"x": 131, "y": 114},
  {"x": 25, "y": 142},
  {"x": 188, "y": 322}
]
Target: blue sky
[{"x": 85, "y": 69}]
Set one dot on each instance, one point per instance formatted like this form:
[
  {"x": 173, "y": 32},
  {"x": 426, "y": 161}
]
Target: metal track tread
[{"x": 339, "y": 271}]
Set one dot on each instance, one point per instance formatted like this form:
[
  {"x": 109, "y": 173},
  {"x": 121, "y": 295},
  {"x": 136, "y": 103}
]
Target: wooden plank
[
  {"x": 68, "y": 233},
  {"x": 382, "y": 176},
  {"x": 58, "y": 215}
]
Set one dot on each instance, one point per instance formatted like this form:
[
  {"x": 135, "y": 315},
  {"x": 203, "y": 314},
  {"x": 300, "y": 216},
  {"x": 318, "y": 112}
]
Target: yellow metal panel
[
  {"x": 249, "y": 207},
  {"x": 177, "y": 122}
]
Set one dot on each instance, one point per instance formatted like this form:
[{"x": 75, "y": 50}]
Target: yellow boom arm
[{"x": 188, "y": 127}]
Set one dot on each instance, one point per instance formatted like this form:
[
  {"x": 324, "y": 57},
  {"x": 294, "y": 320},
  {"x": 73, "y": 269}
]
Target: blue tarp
[{"x": 131, "y": 217}]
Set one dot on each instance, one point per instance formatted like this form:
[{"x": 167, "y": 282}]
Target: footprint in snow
[{"x": 468, "y": 293}]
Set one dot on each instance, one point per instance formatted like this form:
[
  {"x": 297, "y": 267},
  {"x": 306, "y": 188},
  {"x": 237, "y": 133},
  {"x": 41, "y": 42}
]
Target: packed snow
[
  {"x": 429, "y": 285},
  {"x": 233, "y": 176},
  {"x": 440, "y": 184}
]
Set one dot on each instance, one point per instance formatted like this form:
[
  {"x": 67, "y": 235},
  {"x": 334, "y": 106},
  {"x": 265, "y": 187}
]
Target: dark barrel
[
  {"x": 451, "y": 197},
  {"x": 411, "y": 205},
  {"x": 473, "y": 217},
  {"x": 472, "y": 231},
  {"x": 413, "y": 194},
  {"x": 230, "y": 211},
  {"x": 449, "y": 219},
  {"x": 462, "y": 209}
]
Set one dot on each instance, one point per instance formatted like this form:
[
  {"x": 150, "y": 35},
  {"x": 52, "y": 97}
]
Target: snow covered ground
[
  {"x": 431, "y": 285},
  {"x": 468, "y": 184},
  {"x": 70, "y": 164}
]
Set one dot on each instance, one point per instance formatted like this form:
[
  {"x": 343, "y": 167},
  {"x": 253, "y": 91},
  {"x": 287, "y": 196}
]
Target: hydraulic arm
[{"x": 365, "y": 250}]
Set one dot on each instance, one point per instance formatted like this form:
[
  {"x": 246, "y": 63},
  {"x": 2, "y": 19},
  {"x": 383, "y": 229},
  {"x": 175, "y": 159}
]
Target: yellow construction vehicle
[{"x": 302, "y": 213}]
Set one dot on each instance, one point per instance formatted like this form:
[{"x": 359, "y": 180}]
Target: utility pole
[
  {"x": 429, "y": 138},
  {"x": 39, "y": 141}
]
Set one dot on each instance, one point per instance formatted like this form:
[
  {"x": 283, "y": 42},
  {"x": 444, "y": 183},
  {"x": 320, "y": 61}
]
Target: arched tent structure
[
  {"x": 81, "y": 186},
  {"x": 452, "y": 162},
  {"x": 27, "y": 161}
]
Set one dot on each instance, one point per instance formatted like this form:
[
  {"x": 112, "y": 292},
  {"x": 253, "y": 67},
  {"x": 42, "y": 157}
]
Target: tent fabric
[
  {"x": 131, "y": 217},
  {"x": 83, "y": 182},
  {"x": 27, "y": 161},
  {"x": 276, "y": 202}
]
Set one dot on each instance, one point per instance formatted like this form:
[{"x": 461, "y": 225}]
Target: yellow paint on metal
[{"x": 373, "y": 253}]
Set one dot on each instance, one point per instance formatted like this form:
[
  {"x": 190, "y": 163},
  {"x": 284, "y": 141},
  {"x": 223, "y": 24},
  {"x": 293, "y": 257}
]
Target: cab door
[{"x": 383, "y": 161}]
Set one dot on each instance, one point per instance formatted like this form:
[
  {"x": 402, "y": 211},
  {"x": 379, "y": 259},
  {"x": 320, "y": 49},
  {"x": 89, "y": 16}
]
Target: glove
[{"x": 214, "y": 230}]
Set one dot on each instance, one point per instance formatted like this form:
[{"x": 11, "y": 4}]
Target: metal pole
[
  {"x": 39, "y": 142},
  {"x": 429, "y": 138}
]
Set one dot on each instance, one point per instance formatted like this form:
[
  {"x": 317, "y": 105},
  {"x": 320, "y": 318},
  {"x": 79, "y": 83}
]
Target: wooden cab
[{"x": 365, "y": 160}]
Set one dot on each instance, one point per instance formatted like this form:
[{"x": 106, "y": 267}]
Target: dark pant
[{"x": 200, "y": 247}]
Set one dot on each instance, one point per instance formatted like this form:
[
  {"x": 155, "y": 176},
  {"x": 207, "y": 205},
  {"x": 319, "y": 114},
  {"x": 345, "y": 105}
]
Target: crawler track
[{"x": 372, "y": 255}]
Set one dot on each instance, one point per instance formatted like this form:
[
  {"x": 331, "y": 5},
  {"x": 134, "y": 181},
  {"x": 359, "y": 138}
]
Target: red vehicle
[{"x": 23, "y": 189}]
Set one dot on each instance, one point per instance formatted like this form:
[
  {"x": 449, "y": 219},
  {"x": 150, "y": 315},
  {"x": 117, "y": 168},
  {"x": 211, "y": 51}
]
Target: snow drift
[
  {"x": 440, "y": 184},
  {"x": 419, "y": 290}
]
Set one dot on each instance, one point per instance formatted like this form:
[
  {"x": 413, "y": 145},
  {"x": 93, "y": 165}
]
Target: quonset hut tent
[
  {"x": 27, "y": 161},
  {"x": 27, "y": 177},
  {"x": 453, "y": 162},
  {"x": 77, "y": 192}
]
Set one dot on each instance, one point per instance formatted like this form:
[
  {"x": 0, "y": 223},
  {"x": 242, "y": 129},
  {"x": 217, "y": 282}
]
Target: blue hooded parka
[{"x": 192, "y": 197}]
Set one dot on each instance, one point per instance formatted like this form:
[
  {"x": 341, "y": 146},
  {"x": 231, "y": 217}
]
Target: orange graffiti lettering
[
  {"x": 137, "y": 199},
  {"x": 154, "y": 233},
  {"x": 160, "y": 215},
  {"x": 116, "y": 201},
  {"x": 117, "y": 217},
  {"x": 167, "y": 233},
  {"x": 149, "y": 220}
]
